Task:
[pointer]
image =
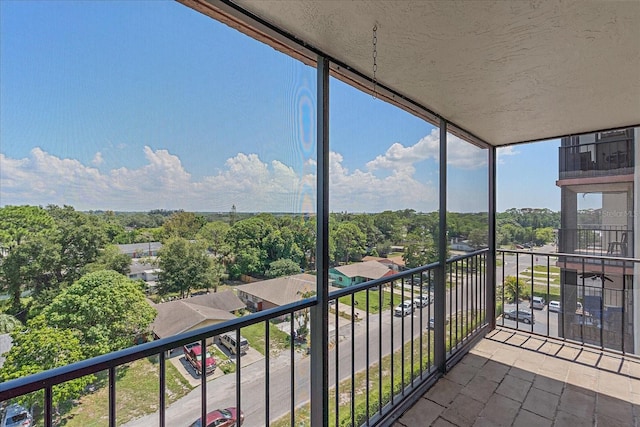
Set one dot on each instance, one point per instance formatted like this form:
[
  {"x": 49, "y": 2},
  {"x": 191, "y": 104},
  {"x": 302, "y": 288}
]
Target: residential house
[
  {"x": 395, "y": 263},
  {"x": 277, "y": 292},
  {"x": 359, "y": 272},
  {"x": 178, "y": 316},
  {"x": 139, "y": 250}
]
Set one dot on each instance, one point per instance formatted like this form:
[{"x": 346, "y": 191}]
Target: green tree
[
  {"x": 478, "y": 237},
  {"x": 39, "y": 348},
  {"x": 282, "y": 267},
  {"x": 28, "y": 254},
  {"x": 32, "y": 265},
  {"x": 8, "y": 323},
  {"x": 80, "y": 237},
  {"x": 183, "y": 224},
  {"x": 514, "y": 289},
  {"x": 106, "y": 310},
  {"x": 20, "y": 223},
  {"x": 544, "y": 235},
  {"x": 420, "y": 250},
  {"x": 349, "y": 241},
  {"x": 214, "y": 234},
  {"x": 390, "y": 225},
  {"x": 110, "y": 258},
  {"x": 246, "y": 246},
  {"x": 184, "y": 266}
]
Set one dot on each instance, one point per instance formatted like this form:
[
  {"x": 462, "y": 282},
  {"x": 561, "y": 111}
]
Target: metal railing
[
  {"x": 612, "y": 241},
  {"x": 579, "y": 298},
  {"x": 597, "y": 159},
  {"x": 380, "y": 358}
]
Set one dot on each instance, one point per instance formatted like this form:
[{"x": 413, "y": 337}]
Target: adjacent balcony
[
  {"x": 440, "y": 360},
  {"x": 608, "y": 241},
  {"x": 597, "y": 159}
]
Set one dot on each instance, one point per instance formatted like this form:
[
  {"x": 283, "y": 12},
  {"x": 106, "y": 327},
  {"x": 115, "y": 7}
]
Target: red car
[
  {"x": 220, "y": 418},
  {"x": 193, "y": 354}
]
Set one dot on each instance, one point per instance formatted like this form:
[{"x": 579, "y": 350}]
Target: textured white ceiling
[{"x": 506, "y": 71}]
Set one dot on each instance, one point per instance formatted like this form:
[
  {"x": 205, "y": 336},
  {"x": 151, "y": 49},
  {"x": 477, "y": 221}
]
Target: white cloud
[
  {"x": 97, "y": 159},
  {"x": 386, "y": 182},
  {"x": 363, "y": 191},
  {"x": 460, "y": 153}
]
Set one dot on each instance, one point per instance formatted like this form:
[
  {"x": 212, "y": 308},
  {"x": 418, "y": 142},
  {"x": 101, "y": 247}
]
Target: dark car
[
  {"x": 524, "y": 316},
  {"x": 221, "y": 418}
]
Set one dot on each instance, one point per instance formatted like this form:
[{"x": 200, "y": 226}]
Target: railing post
[
  {"x": 490, "y": 294},
  {"x": 440, "y": 288},
  {"x": 320, "y": 312}
]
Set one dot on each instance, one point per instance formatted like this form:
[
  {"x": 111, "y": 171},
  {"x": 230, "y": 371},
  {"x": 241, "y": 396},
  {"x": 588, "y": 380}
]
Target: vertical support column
[
  {"x": 634, "y": 244},
  {"x": 320, "y": 312},
  {"x": 440, "y": 356},
  {"x": 490, "y": 303},
  {"x": 568, "y": 243}
]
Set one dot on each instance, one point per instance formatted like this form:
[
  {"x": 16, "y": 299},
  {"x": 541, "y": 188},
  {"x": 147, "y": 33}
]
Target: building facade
[{"x": 599, "y": 297}]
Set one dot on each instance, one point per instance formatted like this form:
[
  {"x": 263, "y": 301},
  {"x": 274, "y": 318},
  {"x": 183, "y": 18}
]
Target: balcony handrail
[
  {"x": 59, "y": 375},
  {"x": 55, "y": 376},
  {"x": 569, "y": 255}
]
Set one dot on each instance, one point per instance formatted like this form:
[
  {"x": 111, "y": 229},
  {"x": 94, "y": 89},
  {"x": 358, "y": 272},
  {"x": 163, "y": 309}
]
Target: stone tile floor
[{"x": 511, "y": 378}]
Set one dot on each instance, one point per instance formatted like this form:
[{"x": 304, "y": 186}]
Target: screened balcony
[{"x": 492, "y": 74}]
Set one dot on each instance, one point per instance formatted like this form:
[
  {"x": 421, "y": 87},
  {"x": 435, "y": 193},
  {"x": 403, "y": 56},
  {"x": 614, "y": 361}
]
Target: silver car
[
  {"x": 524, "y": 316},
  {"x": 16, "y": 416}
]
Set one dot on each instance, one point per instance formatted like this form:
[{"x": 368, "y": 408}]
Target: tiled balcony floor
[{"x": 511, "y": 378}]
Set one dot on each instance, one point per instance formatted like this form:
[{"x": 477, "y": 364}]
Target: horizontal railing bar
[
  {"x": 398, "y": 276},
  {"x": 55, "y": 376},
  {"x": 40, "y": 380},
  {"x": 567, "y": 255}
]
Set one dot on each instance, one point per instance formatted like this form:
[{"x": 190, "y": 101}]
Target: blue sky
[{"x": 145, "y": 105}]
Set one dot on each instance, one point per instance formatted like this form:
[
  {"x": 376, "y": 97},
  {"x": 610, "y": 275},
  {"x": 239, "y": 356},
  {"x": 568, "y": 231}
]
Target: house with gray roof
[
  {"x": 178, "y": 316},
  {"x": 276, "y": 292}
]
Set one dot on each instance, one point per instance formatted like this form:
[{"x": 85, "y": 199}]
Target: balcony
[
  {"x": 383, "y": 364},
  {"x": 612, "y": 241},
  {"x": 516, "y": 378},
  {"x": 598, "y": 159}
]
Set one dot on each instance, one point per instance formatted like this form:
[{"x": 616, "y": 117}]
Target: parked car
[
  {"x": 220, "y": 418},
  {"x": 193, "y": 354},
  {"x": 16, "y": 416},
  {"x": 422, "y": 300},
  {"x": 405, "y": 308},
  {"x": 537, "y": 303},
  {"x": 229, "y": 341},
  {"x": 432, "y": 323},
  {"x": 524, "y": 316},
  {"x": 554, "y": 306}
]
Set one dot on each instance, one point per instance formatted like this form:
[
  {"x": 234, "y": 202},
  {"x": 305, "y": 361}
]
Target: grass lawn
[
  {"x": 278, "y": 340},
  {"x": 554, "y": 280},
  {"x": 543, "y": 268},
  {"x": 541, "y": 291},
  {"x": 360, "y": 299},
  {"x": 136, "y": 395}
]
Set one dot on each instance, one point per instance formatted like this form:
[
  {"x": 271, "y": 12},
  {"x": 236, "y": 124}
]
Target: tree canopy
[
  {"x": 105, "y": 310},
  {"x": 184, "y": 266},
  {"x": 41, "y": 348}
]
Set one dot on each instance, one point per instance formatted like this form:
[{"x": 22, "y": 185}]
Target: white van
[
  {"x": 537, "y": 303},
  {"x": 229, "y": 341}
]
